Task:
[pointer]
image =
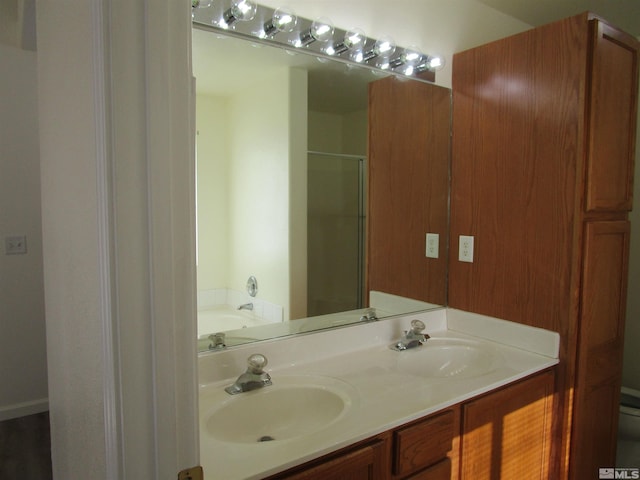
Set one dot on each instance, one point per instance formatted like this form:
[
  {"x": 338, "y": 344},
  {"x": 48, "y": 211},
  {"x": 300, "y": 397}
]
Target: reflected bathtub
[{"x": 223, "y": 318}]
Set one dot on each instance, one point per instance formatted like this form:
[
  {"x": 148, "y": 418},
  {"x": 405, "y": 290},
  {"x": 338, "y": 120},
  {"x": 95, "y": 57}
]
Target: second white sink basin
[
  {"x": 292, "y": 407},
  {"x": 449, "y": 358}
]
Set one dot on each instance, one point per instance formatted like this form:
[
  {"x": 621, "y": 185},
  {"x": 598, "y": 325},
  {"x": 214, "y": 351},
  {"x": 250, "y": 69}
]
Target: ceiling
[{"x": 624, "y": 14}]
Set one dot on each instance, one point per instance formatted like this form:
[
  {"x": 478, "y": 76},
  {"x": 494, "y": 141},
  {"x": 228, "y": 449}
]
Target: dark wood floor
[{"x": 25, "y": 448}]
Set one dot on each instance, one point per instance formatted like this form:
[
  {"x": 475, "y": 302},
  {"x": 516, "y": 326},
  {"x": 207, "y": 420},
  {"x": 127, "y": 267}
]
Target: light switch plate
[
  {"x": 15, "y": 245},
  {"x": 433, "y": 245}
]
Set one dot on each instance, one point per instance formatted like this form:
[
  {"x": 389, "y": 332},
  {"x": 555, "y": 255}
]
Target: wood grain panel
[
  {"x": 517, "y": 120},
  {"x": 613, "y": 114},
  {"x": 409, "y": 145},
  {"x": 507, "y": 434},
  {"x": 427, "y": 442},
  {"x": 601, "y": 339},
  {"x": 439, "y": 471},
  {"x": 365, "y": 463}
]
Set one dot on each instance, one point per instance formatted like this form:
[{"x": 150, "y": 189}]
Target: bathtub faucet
[{"x": 246, "y": 306}]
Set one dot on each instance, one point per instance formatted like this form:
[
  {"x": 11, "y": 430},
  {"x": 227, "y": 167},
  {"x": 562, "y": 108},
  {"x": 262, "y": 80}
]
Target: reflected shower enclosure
[{"x": 335, "y": 232}]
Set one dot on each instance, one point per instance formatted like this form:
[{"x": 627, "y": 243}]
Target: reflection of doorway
[{"x": 335, "y": 227}]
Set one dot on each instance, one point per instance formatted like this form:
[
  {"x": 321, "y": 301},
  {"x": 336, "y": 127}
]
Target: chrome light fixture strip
[{"x": 304, "y": 38}]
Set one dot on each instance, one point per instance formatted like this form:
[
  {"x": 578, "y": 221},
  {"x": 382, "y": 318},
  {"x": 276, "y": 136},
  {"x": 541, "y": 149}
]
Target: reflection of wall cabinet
[
  {"x": 408, "y": 157},
  {"x": 542, "y": 169},
  {"x": 506, "y": 431}
]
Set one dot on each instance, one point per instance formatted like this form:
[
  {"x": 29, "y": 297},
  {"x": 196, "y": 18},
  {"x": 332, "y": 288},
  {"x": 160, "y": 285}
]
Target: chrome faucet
[
  {"x": 255, "y": 376},
  {"x": 217, "y": 341},
  {"x": 246, "y": 306},
  {"x": 412, "y": 338},
  {"x": 369, "y": 315}
]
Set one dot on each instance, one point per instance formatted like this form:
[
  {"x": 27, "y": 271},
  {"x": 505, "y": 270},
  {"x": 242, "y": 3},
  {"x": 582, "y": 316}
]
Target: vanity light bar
[{"x": 282, "y": 28}]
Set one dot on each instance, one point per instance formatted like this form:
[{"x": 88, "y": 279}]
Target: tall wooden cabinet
[{"x": 543, "y": 151}]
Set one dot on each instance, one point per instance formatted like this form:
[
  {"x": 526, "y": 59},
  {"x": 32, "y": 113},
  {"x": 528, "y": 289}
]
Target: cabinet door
[
  {"x": 366, "y": 463},
  {"x": 507, "y": 434},
  {"x": 439, "y": 471},
  {"x": 601, "y": 336},
  {"x": 613, "y": 102}
]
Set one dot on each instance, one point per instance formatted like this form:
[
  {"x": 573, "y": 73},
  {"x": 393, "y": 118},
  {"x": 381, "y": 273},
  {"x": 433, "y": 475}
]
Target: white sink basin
[
  {"x": 292, "y": 407},
  {"x": 449, "y": 358}
]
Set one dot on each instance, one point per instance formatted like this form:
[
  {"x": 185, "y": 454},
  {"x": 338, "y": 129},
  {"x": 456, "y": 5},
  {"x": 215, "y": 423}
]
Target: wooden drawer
[
  {"x": 439, "y": 471},
  {"x": 368, "y": 461},
  {"x": 423, "y": 444}
]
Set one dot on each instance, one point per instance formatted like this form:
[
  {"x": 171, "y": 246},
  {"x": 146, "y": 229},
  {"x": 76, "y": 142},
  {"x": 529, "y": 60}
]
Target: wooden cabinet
[
  {"x": 424, "y": 449},
  {"x": 542, "y": 167},
  {"x": 507, "y": 434},
  {"x": 366, "y": 462},
  {"x": 504, "y": 434}
]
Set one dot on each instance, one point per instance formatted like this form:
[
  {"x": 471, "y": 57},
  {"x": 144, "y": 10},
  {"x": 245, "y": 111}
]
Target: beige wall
[{"x": 23, "y": 390}]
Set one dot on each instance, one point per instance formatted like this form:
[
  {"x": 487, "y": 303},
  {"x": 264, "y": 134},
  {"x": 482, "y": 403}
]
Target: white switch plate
[
  {"x": 15, "y": 244},
  {"x": 465, "y": 249},
  {"x": 433, "y": 245}
]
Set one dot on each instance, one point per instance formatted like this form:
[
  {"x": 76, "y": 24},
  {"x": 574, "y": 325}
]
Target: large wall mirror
[{"x": 285, "y": 145}]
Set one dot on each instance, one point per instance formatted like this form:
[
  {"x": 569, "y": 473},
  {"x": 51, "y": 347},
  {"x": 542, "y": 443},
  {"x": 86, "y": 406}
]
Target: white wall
[
  {"x": 252, "y": 189},
  {"x": 23, "y": 355},
  {"x": 117, "y": 186},
  {"x": 213, "y": 150},
  {"x": 259, "y": 188}
]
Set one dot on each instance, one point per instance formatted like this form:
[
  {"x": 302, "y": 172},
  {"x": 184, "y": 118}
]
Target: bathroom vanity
[
  {"x": 477, "y": 398},
  {"x": 456, "y": 442}
]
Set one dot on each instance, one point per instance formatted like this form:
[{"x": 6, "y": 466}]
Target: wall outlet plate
[
  {"x": 465, "y": 249},
  {"x": 433, "y": 245}
]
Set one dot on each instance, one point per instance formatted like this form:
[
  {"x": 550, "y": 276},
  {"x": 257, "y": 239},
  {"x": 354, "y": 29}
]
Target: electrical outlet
[
  {"x": 15, "y": 245},
  {"x": 433, "y": 245},
  {"x": 465, "y": 249}
]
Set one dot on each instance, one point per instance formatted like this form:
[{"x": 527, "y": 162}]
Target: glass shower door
[{"x": 336, "y": 238}]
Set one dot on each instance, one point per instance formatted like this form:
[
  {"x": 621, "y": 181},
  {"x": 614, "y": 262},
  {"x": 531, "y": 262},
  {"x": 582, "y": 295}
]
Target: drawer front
[
  {"x": 439, "y": 471},
  {"x": 423, "y": 444}
]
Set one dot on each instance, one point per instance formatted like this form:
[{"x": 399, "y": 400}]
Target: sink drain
[{"x": 266, "y": 438}]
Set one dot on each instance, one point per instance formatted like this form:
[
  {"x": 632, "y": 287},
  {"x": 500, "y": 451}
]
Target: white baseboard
[{"x": 23, "y": 409}]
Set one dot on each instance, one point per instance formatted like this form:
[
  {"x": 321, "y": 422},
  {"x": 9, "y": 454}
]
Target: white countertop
[{"x": 384, "y": 395}]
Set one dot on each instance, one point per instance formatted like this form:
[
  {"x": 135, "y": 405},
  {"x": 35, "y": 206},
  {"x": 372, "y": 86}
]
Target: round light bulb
[
  {"x": 436, "y": 62},
  {"x": 243, "y": 10},
  {"x": 284, "y": 20},
  {"x": 322, "y": 29},
  {"x": 411, "y": 56},
  {"x": 384, "y": 47},
  {"x": 354, "y": 39}
]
